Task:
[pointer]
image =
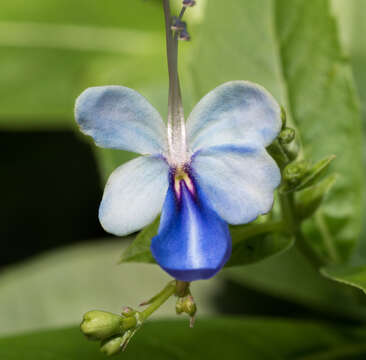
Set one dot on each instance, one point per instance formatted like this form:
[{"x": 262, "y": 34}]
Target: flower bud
[
  {"x": 186, "y": 305},
  {"x": 179, "y": 306},
  {"x": 294, "y": 172},
  {"x": 112, "y": 345},
  {"x": 286, "y": 136},
  {"x": 189, "y": 306},
  {"x": 99, "y": 325}
]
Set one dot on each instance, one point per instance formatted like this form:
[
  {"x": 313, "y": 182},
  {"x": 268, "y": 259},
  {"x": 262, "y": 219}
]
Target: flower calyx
[{"x": 185, "y": 302}]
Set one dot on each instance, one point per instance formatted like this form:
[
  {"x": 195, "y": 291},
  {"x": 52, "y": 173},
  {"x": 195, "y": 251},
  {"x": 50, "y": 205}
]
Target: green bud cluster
[
  {"x": 114, "y": 331},
  {"x": 186, "y": 304}
]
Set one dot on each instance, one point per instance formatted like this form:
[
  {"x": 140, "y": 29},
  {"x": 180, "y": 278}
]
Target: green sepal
[
  {"x": 293, "y": 174},
  {"x": 309, "y": 200},
  {"x": 299, "y": 176},
  {"x": 286, "y": 136},
  {"x": 112, "y": 345}
]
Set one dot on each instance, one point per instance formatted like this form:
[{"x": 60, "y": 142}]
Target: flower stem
[
  {"x": 158, "y": 300},
  {"x": 294, "y": 227},
  {"x": 289, "y": 213},
  {"x": 164, "y": 295}
]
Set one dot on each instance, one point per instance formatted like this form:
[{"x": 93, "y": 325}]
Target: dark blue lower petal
[{"x": 193, "y": 242}]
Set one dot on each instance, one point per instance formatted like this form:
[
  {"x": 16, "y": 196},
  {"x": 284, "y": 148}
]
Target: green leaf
[
  {"x": 315, "y": 173},
  {"x": 353, "y": 26},
  {"x": 292, "y": 49},
  {"x": 309, "y": 200},
  {"x": 256, "y": 242},
  {"x": 57, "y": 288},
  {"x": 290, "y": 276},
  {"x": 251, "y": 243},
  {"x": 350, "y": 275},
  {"x": 243, "y": 338},
  {"x": 139, "y": 249},
  {"x": 52, "y": 52}
]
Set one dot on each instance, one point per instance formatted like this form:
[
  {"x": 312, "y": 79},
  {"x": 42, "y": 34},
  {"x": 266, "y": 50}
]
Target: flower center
[{"x": 182, "y": 177}]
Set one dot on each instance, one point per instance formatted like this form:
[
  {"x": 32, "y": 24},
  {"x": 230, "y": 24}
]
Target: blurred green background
[{"x": 56, "y": 261}]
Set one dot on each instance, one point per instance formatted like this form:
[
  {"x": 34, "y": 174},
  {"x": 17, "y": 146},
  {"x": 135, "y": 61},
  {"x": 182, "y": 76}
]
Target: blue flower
[{"x": 202, "y": 175}]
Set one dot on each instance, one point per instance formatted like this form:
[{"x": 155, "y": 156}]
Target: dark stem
[{"x": 182, "y": 12}]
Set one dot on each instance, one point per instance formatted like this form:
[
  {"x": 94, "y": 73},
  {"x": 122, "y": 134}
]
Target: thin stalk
[
  {"x": 157, "y": 301},
  {"x": 294, "y": 227},
  {"x": 176, "y": 125},
  {"x": 288, "y": 209},
  {"x": 182, "y": 13}
]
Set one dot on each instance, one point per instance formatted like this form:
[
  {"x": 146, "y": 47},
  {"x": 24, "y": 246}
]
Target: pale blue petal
[
  {"x": 234, "y": 113},
  {"x": 193, "y": 242},
  {"x": 120, "y": 118},
  {"x": 134, "y": 195},
  {"x": 239, "y": 182}
]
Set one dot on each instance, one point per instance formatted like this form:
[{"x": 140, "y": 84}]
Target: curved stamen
[{"x": 177, "y": 145}]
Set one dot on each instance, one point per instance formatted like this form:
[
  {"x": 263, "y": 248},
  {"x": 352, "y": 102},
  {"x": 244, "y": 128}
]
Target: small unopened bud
[
  {"x": 99, "y": 325},
  {"x": 286, "y": 136},
  {"x": 184, "y": 35},
  {"x": 189, "y": 3},
  {"x": 189, "y": 306},
  {"x": 112, "y": 345},
  {"x": 186, "y": 305},
  {"x": 179, "y": 306},
  {"x": 294, "y": 172}
]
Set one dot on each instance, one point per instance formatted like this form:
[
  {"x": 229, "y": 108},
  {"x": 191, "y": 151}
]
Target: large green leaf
[
  {"x": 353, "y": 28},
  {"x": 290, "y": 276},
  {"x": 210, "y": 339},
  {"x": 349, "y": 275},
  {"x": 292, "y": 49},
  {"x": 50, "y": 52},
  {"x": 56, "y": 288}
]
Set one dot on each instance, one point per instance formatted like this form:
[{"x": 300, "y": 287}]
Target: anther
[
  {"x": 189, "y": 3},
  {"x": 178, "y": 24},
  {"x": 184, "y": 35}
]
